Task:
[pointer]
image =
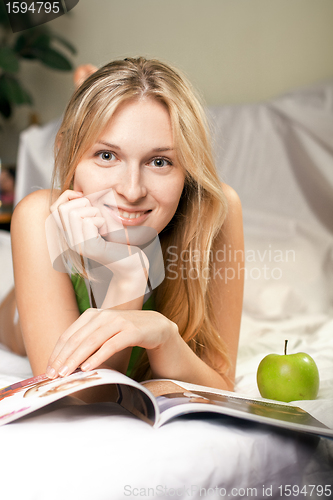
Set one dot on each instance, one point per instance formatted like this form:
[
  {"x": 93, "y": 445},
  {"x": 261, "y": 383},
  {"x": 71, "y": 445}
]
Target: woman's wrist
[
  {"x": 134, "y": 284},
  {"x": 126, "y": 291},
  {"x": 163, "y": 356},
  {"x": 131, "y": 267}
]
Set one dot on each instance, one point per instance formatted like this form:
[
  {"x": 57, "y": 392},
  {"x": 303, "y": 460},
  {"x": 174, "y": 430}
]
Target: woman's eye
[
  {"x": 160, "y": 162},
  {"x": 106, "y": 155}
]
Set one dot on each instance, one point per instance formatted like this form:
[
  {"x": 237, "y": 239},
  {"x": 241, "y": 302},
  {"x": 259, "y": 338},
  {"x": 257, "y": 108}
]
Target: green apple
[{"x": 288, "y": 377}]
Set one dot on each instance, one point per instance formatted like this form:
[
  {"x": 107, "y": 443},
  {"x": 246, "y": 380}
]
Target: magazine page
[
  {"x": 176, "y": 398},
  {"x": 29, "y": 395}
]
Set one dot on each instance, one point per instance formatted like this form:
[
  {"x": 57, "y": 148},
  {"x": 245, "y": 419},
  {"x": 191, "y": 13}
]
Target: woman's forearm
[
  {"x": 126, "y": 294},
  {"x": 175, "y": 359}
]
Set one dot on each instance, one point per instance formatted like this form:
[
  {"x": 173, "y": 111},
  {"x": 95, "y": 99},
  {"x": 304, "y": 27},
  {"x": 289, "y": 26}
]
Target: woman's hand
[
  {"x": 99, "y": 334},
  {"x": 81, "y": 226}
]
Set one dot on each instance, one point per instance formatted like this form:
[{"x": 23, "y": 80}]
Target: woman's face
[{"x": 131, "y": 172}]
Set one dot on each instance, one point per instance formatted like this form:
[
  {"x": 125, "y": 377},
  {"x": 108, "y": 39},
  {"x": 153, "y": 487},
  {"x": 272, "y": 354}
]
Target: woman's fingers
[
  {"x": 119, "y": 342},
  {"x": 78, "y": 349},
  {"x": 65, "y": 197},
  {"x": 69, "y": 211},
  {"x": 81, "y": 340},
  {"x": 98, "y": 348},
  {"x": 76, "y": 219},
  {"x": 64, "y": 338},
  {"x": 94, "y": 245},
  {"x": 60, "y": 213}
]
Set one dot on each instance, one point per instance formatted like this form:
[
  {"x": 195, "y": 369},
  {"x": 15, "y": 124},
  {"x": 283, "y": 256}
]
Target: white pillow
[{"x": 289, "y": 267}]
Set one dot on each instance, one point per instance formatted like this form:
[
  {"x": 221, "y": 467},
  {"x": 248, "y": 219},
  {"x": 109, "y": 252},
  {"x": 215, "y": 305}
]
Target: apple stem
[{"x": 285, "y": 347}]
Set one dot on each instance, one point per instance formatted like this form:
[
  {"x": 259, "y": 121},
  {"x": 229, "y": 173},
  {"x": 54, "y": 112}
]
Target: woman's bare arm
[{"x": 45, "y": 297}]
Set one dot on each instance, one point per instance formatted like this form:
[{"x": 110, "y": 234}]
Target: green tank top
[{"x": 83, "y": 302}]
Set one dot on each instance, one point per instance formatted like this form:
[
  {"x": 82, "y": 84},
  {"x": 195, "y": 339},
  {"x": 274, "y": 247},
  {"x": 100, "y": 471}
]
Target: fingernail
[
  {"x": 50, "y": 372},
  {"x": 63, "y": 371},
  {"x": 85, "y": 366}
]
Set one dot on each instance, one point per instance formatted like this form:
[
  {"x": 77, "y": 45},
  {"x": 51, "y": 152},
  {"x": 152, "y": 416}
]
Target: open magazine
[{"x": 154, "y": 401}]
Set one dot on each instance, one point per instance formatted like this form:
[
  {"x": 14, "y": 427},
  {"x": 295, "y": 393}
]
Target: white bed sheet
[{"x": 83, "y": 453}]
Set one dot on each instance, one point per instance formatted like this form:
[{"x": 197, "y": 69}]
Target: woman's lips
[{"x": 130, "y": 218}]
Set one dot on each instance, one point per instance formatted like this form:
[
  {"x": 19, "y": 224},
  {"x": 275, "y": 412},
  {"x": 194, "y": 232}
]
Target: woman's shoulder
[
  {"x": 39, "y": 198},
  {"x": 31, "y": 212},
  {"x": 233, "y": 199},
  {"x": 232, "y": 227},
  {"x": 35, "y": 205}
]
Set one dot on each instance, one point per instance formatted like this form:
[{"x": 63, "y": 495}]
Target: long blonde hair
[{"x": 202, "y": 207}]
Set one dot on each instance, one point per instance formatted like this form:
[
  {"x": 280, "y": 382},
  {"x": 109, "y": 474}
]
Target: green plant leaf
[
  {"x": 64, "y": 42},
  {"x": 36, "y": 44},
  {"x": 42, "y": 41},
  {"x": 8, "y": 60},
  {"x": 20, "y": 43},
  {"x": 32, "y": 49},
  {"x": 12, "y": 91},
  {"x": 52, "y": 58},
  {"x": 31, "y": 38}
]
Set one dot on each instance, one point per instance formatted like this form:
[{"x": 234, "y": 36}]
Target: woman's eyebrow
[
  {"x": 108, "y": 144},
  {"x": 159, "y": 150},
  {"x": 154, "y": 150}
]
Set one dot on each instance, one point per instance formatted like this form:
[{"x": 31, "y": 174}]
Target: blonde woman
[{"x": 134, "y": 133}]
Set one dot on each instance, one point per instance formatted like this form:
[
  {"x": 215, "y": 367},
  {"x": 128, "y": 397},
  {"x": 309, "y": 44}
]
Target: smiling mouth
[{"x": 128, "y": 215}]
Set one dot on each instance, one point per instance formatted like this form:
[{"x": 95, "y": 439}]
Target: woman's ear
[{"x": 82, "y": 72}]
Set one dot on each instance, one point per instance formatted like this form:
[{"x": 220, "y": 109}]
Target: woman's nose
[{"x": 132, "y": 184}]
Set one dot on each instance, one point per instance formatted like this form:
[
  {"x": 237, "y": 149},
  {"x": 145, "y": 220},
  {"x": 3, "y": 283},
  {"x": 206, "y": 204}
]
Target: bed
[{"x": 278, "y": 156}]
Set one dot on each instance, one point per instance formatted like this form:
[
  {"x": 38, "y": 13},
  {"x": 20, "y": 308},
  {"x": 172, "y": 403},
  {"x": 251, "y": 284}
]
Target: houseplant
[{"x": 36, "y": 43}]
